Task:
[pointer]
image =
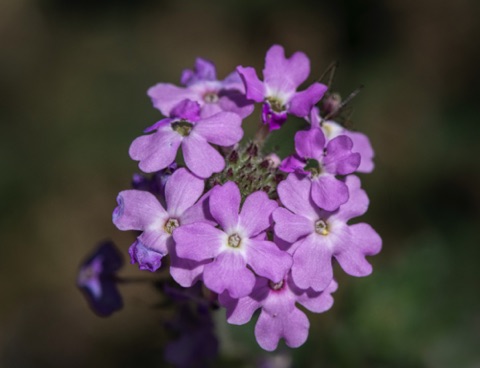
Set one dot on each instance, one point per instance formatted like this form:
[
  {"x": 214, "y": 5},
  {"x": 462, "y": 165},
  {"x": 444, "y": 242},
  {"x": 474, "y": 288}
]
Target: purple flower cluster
[{"x": 258, "y": 231}]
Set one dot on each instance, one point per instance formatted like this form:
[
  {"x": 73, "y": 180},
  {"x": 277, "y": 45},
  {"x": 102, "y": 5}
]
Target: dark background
[{"x": 73, "y": 81}]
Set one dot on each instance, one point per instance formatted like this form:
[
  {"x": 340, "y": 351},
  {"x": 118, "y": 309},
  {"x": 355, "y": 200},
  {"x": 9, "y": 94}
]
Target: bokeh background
[{"x": 73, "y": 81}]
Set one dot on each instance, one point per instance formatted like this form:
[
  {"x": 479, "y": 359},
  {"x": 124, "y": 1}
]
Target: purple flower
[
  {"x": 278, "y": 91},
  {"x": 141, "y": 210},
  {"x": 96, "y": 278},
  {"x": 321, "y": 161},
  {"x": 361, "y": 143},
  {"x": 203, "y": 87},
  {"x": 240, "y": 242},
  {"x": 186, "y": 128},
  {"x": 279, "y": 318},
  {"x": 318, "y": 235}
]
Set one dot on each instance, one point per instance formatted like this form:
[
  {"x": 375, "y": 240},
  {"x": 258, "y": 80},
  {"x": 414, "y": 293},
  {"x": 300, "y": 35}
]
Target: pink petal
[
  {"x": 318, "y": 302},
  {"x": 310, "y": 143},
  {"x": 291, "y": 227},
  {"x": 185, "y": 271},
  {"x": 229, "y": 272},
  {"x": 362, "y": 145},
  {"x": 267, "y": 260},
  {"x": 294, "y": 192},
  {"x": 197, "y": 241},
  {"x": 137, "y": 210},
  {"x": 200, "y": 157},
  {"x": 156, "y": 151},
  {"x": 328, "y": 192},
  {"x": 302, "y": 102},
  {"x": 225, "y": 204},
  {"x": 357, "y": 203},
  {"x": 254, "y": 88},
  {"x": 182, "y": 191},
  {"x": 312, "y": 264},
  {"x": 166, "y": 96},
  {"x": 223, "y": 128},
  {"x": 339, "y": 158},
  {"x": 255, "y": 216}
]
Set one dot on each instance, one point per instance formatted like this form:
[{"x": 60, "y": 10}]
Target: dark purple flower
[
  {"x": 279, "y": 317},
  {"x": 202, "y": 86},
  {"x": 195, "y": 134},
  {"x": 278, "y": 91},
  {"x": 239, "y": 242},
  {"x": 322, "y": 161},
  {"x": 96, "y": 278},
  {"x": 319, "y": 236}
]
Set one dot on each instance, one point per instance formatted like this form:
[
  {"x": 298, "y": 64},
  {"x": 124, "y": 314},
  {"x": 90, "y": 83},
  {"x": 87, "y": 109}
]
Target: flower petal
[
  {"x": 302, "y": 102},
  {"x": 197, "y": 241},
  {"x": 202, "y": 71},
  {"x": 318, "y": 302},
  {"x": 363, "y": 241},
  {"x": 328, "y": 192},
  {"x": 267, "y": 260},
  {"x": 182, "y": 191},
  {"x": 312, "y": 264},
  {"x": 339, "y": 158},
  {"x": 147, "y": 259},
  {"x": 225, "y": 204},
  {"x": 200, "y": 157},
  {"x": 223, "y": 128},
  {"x": 291, "y": 227},
  {"x": 185, "y": 271},
  {"x": 229, "y": 272},
  {"x": 166, "y": 96},
  {"x": 294, "y": 192},
  {"x": 137, "y": 210},
  {"x": 283, "y": 75},
  {"x": 362, "y": 145},
  {"x": 255, "y": 216},
  {"x": 310, "y": 144},
  {"x": 357, "y": 203},
  {"x": 292, "y": 164},
  {"x": 255, "y": 90},
  {"x": 156, "y": 151}
]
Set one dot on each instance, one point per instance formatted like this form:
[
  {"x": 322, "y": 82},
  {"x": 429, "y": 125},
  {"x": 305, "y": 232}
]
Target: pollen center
[
  {"x": 182, "y": 127},
  {"x": 210, "y": 97},
  {"x": 275, "y": 285},
  {"x": 170, "y": 225},
  {"x": 275, "y": 104},
  {"x": 321, "y": 227},
  {"x": 313, "y": 166},
  {"x": 234, "y": 241}
]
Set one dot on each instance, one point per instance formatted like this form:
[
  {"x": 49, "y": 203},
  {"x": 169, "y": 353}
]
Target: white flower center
[
  {"x": 321, "y": 227},
  {"x": 170, "y": 225}
]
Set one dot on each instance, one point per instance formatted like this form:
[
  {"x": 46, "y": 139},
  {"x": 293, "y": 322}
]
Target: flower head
[
  {"x": 202, "y": 86},
  {"x": 96, "y": 278},
  {"x": 195, "y": 134},
  {"x": 238, "y": 243},
  {"x": 318, "y": 236},
  {"x": 278, "y": 91}
]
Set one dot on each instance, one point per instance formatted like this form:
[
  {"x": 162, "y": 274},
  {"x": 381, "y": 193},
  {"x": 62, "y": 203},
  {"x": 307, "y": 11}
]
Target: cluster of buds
[{"x": 259, "y": 232}]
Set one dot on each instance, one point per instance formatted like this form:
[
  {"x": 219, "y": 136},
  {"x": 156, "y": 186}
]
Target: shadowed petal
[
  {"x": 185, "y": 271},
  {"x": 166, "y": 96},
  {"x": 318, "y": 302},
  {"x": 339, "y": 158},
  {"x": 362, "y": 145},
  {"x": 357, "y": 203}
]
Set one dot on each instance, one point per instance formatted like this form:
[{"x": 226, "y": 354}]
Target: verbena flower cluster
[{"x": 259, "y": 232}]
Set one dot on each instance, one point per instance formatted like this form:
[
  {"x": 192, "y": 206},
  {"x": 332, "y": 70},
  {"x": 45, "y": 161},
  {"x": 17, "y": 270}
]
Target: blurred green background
[{"x": 73, "y": 81}]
